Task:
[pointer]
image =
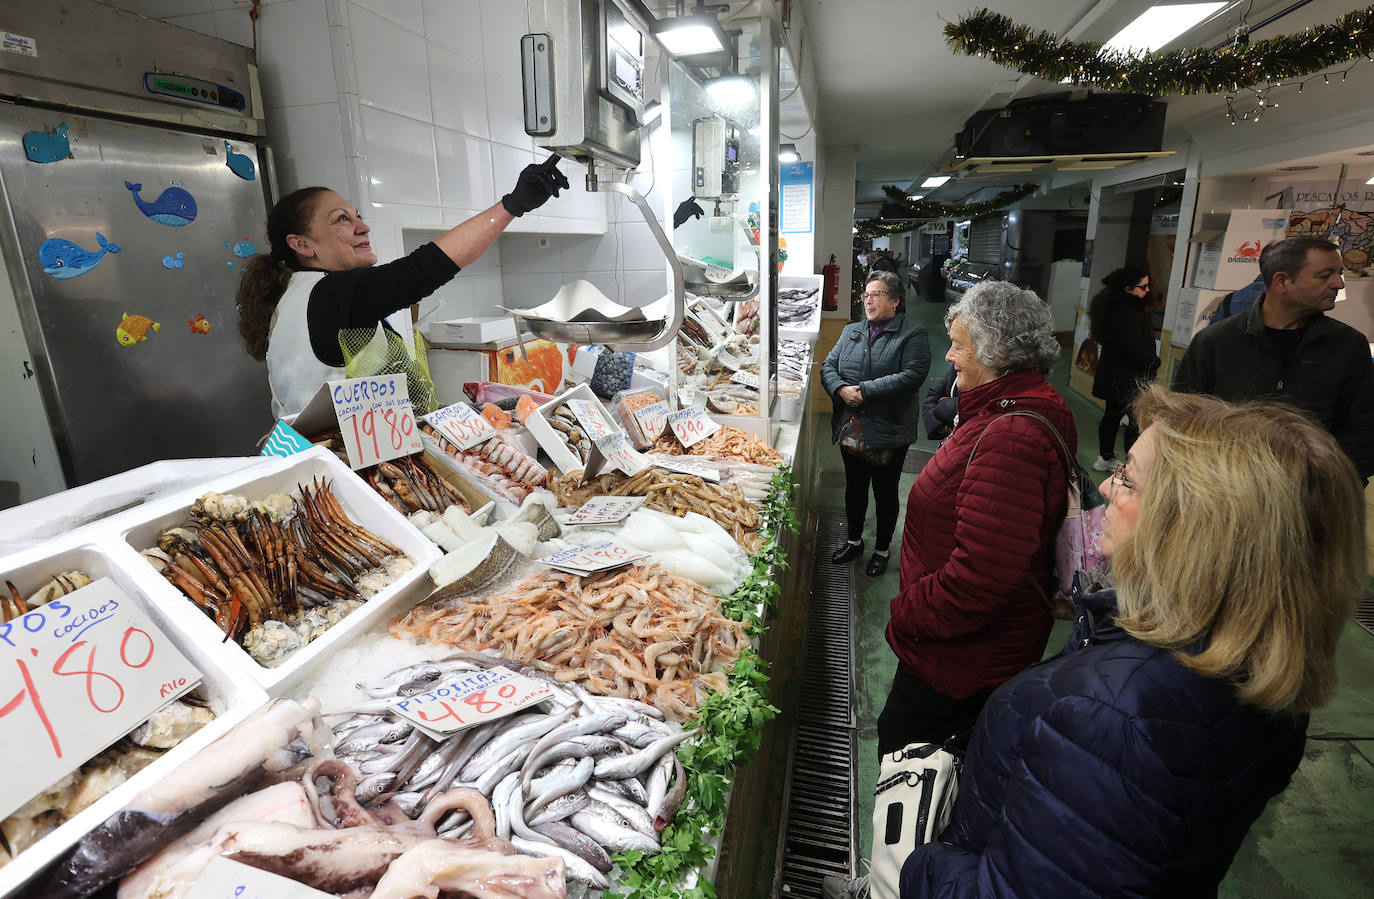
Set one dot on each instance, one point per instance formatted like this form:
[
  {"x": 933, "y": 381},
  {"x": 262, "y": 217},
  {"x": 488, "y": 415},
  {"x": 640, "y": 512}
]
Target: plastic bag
[{"x": 613, "y": 374}]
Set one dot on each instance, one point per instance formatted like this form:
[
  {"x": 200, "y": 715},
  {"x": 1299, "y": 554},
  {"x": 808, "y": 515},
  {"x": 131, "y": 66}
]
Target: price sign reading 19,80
[
  {"x": 375, "y": 419},
  {"x": 692, "y": 425},
  {"x": 77, "y": 674},
  {"x": 461, "y": 425}
]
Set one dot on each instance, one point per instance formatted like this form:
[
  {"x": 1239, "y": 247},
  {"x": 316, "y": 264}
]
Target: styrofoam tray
[
  {"x": 552, "y": 444},
  {"x": 362, "y": 504},
  {"x": 231, "y": 696}
]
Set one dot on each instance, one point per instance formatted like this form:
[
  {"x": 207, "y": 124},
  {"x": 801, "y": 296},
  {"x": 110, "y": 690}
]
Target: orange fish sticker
[
  {"x": 134, "y": 328},
  {"x": 199, "y": 325}
]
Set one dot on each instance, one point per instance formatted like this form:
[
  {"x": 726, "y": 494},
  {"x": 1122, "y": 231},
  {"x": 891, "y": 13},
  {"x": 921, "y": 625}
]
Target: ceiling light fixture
[
  {"x": 788, "y": 153},
  {"x": 914, "y": 197},
  {"x": 1159, "y": 25},
  {"x": 732, "y": 92},
  {"x": 693, "y": 35},
  {"x": 934, "y": 181}
]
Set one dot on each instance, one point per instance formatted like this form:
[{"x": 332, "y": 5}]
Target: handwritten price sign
[
  {"x": 223, "y": 878},
  {"x": 75, "y": 676},
  {"x": 605, "y": 509},
  {"x": 691, "y": 426},
  {"x": 653, "y": 419},
  {"x": 587, "y": 559},
  {"x": 475, "y": 699},
  {"x": 701, "y": 470},
  {"x": 747, "y": 378},
  {"x": 617, "y": 450},
  {"x": 461, "y": 425},
  {"x": 589, "y": 415},
  {"x": 375, "y": 419}
]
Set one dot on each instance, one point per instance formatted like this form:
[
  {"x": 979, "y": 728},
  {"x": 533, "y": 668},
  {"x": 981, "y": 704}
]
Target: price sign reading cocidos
[{"x": 77, "y": 674}]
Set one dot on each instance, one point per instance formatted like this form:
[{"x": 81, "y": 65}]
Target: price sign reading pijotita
[
  {"x": 476, "y": 698},
  {"x": 375, "y": 418},
  {"x": 587, "y": 559},
  {"x": 617, "y": 450},
  {"x": 461, "y": 425},
  {"x": 78, "y": 674},
  {"x": 606, "y": 509},
  {"x": 652, "y": 419},
  {"x": 692, "y": 425}
]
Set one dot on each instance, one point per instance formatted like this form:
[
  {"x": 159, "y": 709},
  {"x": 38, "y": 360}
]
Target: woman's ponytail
[{"x": 265, "y": 278}]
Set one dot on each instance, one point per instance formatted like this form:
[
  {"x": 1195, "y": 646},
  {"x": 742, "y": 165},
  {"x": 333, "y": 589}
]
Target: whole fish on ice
[
  {"x": 63, "y": 259},
  {"x": 174, "y": 206}
]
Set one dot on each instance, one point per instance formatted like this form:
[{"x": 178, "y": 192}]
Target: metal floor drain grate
[
  {"x": 916, "y": 460},
  {"x": 820, "y": 834},
  {"x": 1364, "y": 612}
]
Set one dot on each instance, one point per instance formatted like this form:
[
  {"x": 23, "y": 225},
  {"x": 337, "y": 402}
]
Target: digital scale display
[{"x": 194, "y": 90}]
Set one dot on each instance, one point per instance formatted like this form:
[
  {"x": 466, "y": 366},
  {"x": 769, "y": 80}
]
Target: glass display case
[{"x": 963, "y": 275}]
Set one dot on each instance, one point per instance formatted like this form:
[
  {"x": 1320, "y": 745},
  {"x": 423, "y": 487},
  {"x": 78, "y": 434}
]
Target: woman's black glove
[
  {"x": 687, "y": 209},
  {"x": 537, "y": 182}
]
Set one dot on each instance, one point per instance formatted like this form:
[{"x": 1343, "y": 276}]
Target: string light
[{"x": 1261, "y": 94}]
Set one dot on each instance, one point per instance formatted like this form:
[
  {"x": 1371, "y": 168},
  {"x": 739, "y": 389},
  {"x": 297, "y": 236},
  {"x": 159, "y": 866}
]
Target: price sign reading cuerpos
[
  {"x": 747, "y": 378},
  {"x": 652, "y": 419},
  {"x": 588, "y": 559},
  {"x": 375, "y": 419},
  {"x": 224, "y": 878},
  {"x": 461, "y": 425},
  {"x": 692, "y": 425},
  {"x": 606, "y": 509},
  {"x": 589, "y": 415},
  {"x": 476, "y": 698},
  {"x": 617, "y": 450},
  {"x": 75, "y": 676},
  {"x": 700, "y": 469}
]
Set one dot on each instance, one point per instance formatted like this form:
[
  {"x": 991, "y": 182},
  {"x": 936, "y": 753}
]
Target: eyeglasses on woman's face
[
  {"x": 1145, "y": 285},
  {"x": 876, "y": 295},
  {"x": 1119, "y": 477}
]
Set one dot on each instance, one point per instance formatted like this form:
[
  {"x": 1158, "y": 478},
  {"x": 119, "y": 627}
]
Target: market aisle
[{"x": 1309, "y": 842}]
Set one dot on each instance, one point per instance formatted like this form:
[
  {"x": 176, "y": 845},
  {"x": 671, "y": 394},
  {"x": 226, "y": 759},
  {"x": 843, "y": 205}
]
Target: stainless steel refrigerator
[{"x": 132, "y": 193}]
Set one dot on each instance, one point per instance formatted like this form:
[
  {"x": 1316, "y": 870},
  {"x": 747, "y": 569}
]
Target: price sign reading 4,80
[
  {"x": 375, "y": 419},
  {"x": 75, "y": 676},
  {"x": 692, "y": 425},
  {"x": 475, "y": 699}
]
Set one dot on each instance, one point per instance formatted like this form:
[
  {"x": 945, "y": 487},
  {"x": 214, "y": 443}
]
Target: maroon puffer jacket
[{"x": 967, "y": 618}]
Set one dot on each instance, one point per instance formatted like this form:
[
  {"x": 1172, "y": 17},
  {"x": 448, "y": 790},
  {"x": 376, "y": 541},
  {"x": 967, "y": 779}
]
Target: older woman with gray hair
[{"x": 977, "y": 546}]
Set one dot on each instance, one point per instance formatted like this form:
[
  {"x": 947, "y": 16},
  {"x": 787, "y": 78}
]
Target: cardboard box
[
  {"x": 1226, "y": 247},
  {"x": 469, "y": 331}
]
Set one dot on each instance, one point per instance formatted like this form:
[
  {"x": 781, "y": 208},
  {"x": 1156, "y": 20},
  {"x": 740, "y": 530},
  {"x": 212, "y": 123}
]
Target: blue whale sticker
[
  {"x": 175, "y": 207},
  {"x": 239, "y": 164},
  {"x": 245, "y": 249},
  {"x": 41, "y": 146},
  {"x": 63, "y": 259}
]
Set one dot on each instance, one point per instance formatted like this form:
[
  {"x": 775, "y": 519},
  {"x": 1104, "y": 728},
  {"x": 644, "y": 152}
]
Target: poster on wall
[
  {"x": 798, "y": 191},
  {"x": 1347, "y": 220}
]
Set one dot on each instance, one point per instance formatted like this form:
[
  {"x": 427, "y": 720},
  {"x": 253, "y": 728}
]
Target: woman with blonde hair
[{"x": 1134, "y": 761}]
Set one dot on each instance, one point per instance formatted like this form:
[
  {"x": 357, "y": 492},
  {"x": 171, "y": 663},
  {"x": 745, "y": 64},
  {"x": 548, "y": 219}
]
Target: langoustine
[{"x": 502, "y": 467}]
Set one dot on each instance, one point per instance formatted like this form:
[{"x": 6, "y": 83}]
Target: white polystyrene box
[
  {"x": 362, "y": 504},
  {"x": 232, "y": 696},
  {"x": 550, "y": 442}
]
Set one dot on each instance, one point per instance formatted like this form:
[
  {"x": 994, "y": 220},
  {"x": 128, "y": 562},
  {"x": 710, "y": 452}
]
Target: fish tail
[
  {"x": 133, "y": 186},
  {"x": 157, "y": 326}
]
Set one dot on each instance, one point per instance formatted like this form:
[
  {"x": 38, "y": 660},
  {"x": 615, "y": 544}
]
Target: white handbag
[{"x": 912, "y": 804}]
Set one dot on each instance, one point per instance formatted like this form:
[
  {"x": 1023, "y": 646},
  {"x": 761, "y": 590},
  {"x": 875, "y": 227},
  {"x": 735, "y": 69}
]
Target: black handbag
[{"x": 851, "y": 440}]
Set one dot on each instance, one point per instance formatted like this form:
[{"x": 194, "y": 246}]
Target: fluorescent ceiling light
[
  {"x": 691, "y": 35},
  {"x": 787, "y": 153},
  {"x": 935, "y": 181},
  {"x": 1159, "y": 25},
  {"x": 914, "y": 197}
]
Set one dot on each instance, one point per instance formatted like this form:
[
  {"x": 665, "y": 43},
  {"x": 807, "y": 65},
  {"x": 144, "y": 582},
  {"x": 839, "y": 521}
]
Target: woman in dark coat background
[
  {"x": 1126, "y": 341},
  {"x": 875, "y": 371}
]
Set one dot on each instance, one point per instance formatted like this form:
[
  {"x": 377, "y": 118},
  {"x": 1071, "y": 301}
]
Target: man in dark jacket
[{"x": 1287, "y": 350}]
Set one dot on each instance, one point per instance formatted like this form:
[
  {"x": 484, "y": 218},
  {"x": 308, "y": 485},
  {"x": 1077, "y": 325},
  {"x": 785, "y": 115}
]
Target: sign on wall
[{"x": 797, "y": 187}]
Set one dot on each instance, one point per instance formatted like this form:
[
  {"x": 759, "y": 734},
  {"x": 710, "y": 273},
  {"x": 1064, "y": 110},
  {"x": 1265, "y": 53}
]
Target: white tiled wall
[{"x": 413, "y": 108}]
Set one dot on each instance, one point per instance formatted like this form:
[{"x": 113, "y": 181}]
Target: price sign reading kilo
[
  {"x": 461, "y": 424},
  {"x": 375, "y": 419},
  {"x": 691, "y": 426},
  {"x": 77, "y": 674}
]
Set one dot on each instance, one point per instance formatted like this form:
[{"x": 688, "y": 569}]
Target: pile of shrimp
[
  {"x": 640, "y": 632},
  {"x": 728, "y": 443}
]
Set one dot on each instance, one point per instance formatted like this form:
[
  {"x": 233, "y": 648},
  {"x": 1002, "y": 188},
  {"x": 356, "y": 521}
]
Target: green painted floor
[{"x": 1312, "y": 841}]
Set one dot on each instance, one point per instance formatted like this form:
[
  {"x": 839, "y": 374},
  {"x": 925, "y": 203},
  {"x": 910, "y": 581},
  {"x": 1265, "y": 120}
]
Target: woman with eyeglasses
[
  {"x": 1126, "y": 354},
  {"x": 1134, "y": 761},
  {"x": 873, "y": 376}
]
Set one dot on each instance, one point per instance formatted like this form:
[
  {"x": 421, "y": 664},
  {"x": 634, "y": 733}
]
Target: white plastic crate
[
  {"x": 358, "y": 500},
  {"x": 231, "y": 696}
]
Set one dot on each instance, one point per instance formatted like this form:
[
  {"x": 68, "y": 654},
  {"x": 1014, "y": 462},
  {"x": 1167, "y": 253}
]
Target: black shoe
[
  {"x": 848, "y": 553},
  {"x": 877, "y": 564}
]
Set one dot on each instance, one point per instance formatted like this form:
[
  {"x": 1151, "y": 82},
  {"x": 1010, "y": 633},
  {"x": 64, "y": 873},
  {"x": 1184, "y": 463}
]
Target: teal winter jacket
[{"x": 888, "y": 373}]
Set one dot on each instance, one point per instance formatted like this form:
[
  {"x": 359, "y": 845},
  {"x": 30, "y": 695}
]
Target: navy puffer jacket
[{"x": 1108, "y": 770}]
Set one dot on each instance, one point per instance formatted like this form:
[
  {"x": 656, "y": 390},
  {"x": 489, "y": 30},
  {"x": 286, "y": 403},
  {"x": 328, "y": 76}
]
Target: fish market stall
[{"x": 449, "y": 670}]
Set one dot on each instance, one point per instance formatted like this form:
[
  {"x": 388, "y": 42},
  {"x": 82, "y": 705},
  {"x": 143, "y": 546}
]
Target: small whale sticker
[
  {"x": 175, "y": 207},
  {"x": 239, "y": 163},
  {"x": 44, "y": 146},
  {"x": 199, "y": 325},
  {"x": 244, "y": 249},
  {"x": 172, "y": 263},
  {"x": 134, "y": 329},
  {"x": 64, "y": 260}
]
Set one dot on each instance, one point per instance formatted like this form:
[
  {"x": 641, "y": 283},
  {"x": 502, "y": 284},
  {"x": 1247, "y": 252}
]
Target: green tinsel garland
[
  {"x": 899, "y": 214},
  {"x": 1194, "y": 70}
]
